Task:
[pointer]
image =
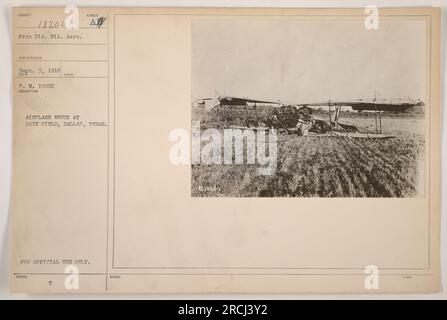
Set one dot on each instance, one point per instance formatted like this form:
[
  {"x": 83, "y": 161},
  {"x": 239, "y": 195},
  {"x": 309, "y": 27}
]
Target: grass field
[{"x": 316, "y": 166}]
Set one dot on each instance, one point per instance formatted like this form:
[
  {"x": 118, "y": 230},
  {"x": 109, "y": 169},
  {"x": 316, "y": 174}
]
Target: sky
[{"x": 308, "y": 60}]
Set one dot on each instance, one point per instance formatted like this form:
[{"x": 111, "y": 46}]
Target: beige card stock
[{"x": 108, "y": 101}]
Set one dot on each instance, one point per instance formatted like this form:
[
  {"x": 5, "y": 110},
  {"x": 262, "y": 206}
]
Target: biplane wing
[
  {"x": 392, "y": 105},
  {"x": 226, "y": 100},
  {"x": 396, "y": 105}
]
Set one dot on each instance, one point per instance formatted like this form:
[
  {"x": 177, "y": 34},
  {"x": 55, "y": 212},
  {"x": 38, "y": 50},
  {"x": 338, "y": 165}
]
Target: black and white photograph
[{"x": 327, "y": 107}]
